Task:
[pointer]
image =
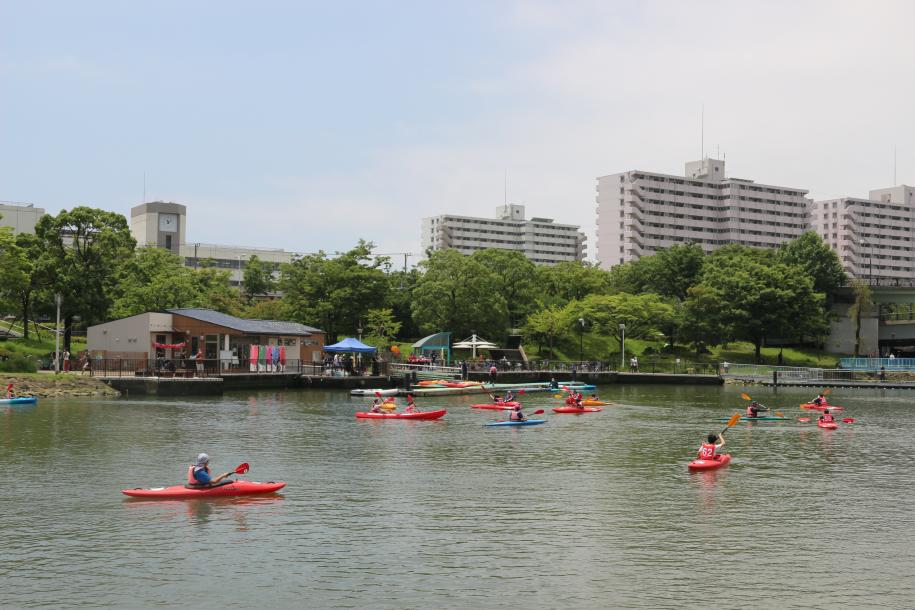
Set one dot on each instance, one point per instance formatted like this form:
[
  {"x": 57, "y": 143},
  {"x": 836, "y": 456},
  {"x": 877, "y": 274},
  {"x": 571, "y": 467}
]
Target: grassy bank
[
  {"x": 32, "y": 353},
  {"x": 49, "y": 385}
]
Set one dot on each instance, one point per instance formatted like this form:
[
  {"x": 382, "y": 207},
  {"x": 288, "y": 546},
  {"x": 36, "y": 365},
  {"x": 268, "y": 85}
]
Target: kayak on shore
[
  {"x": 570, "y": 409},
  {"x": 235, "y": 488},
  {"x": 419, "y": 415},
  {"x": 717, "y": 462},
  {"x": 526, "y": 422},
  {"x": 22, "y": 400},
  {"x": 810, "y": 405}
]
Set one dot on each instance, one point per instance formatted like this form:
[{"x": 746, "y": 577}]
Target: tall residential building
[
  {"x": 874, "y": 237},
  {"x": 639, "y": 212},
  {"x": 540, "y": 239},
  {"x": 21, "y": 216},
  {"x": 162, "y": 224}
]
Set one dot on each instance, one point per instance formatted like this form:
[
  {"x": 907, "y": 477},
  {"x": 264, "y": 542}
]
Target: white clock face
[{"x": 168, "y": 222}]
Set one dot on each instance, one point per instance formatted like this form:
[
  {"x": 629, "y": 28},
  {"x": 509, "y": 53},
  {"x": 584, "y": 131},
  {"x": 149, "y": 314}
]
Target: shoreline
[{"x": 62, "y": 385}]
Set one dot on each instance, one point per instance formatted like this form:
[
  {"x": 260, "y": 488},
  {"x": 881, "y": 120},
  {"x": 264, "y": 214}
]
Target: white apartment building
[
  {"x": 22, "y": 217},
  {"x": 540, "y": 239},
  {"x": 162, "y": 224},
  {"x": 639, "y": 212},
  {"x": 874, "y": 237}
]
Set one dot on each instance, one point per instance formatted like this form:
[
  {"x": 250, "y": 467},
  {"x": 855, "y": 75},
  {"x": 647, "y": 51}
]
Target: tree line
[{"x": 681, "y": 295}]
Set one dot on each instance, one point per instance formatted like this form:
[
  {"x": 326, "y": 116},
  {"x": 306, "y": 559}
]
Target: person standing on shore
[
  {"x": 10, "y": 393},
  {"x": 493, "y": 371},
  {"x": 199, "y": 359}
]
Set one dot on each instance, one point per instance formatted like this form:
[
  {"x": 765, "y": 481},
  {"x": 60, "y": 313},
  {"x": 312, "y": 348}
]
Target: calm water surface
[{"x": 586, "y": 511}]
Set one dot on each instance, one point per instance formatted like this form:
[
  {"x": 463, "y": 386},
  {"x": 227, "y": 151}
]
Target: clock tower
[{"x": 159, "y": 224}]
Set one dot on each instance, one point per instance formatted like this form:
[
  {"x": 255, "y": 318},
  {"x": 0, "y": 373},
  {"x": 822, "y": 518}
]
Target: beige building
[
  {"x": 22, "y": 217},
  {"x": 874, "y": 237},
  {"x": 539, "y": 239},
  {"x": 639, "y": 212},
  {"x": 163, "y": 225}
]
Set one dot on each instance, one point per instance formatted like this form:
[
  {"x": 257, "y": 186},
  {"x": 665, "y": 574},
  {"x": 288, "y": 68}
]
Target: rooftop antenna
[
  {"x": 702, "y": 131},
  {"x": 505, "y": 191}
]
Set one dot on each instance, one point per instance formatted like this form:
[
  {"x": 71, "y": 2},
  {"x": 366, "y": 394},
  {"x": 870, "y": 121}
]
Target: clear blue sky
[{"x": 311, "y": 125}]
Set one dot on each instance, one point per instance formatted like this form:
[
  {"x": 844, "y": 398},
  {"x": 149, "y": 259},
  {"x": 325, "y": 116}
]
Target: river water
[{"x": 590, "y": 511}]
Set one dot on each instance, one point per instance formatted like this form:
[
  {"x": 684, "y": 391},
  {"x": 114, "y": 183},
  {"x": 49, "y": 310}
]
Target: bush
[{"x": 18, "y": 364}]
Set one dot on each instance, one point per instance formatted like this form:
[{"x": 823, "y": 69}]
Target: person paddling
[
  {"x": 509, "y": 397},
  {"x": 411, "y": 406},
  {"x": 820, "y": 400},
  {"x": 376, "y": 406},
  {"x": 199, "y": 475},
  {"x": 708, "y": 448},
  {"x": 755, "y": 409},
  {"x": 554, "y": 385},
  {"x": 827, "y": 417},
  {"x": 516, "y": 414}
]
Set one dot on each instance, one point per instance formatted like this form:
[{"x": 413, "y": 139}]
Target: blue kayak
[
  {"x": 25, "y": 400},
  {"x": 526, "y": 422}
]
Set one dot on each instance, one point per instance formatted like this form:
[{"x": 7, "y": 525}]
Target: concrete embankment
[
  {"x": 49, "y": 385},
  {"x": 600, "y": 378}
]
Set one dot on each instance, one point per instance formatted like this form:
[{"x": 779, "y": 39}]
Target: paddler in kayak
[
  {"x": 708, "y": 448},
  {"x": 827, "y": 417},
  {"x": 554, "y": 385},
  {"x": 516, "y": 414},
  {"x": 411, "y": 406},
  {"x": 819, "y": 401},
  {"x": 376, "y": 406},
  {"x": 199, "y": 475},
  {"x": 755, "y": 409}
]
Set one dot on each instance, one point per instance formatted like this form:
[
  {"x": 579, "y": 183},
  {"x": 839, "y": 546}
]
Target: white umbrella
[{"x": 473, "y": 342}]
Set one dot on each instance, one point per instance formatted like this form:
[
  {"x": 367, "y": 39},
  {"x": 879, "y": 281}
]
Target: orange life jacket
[{"x": 190, "y": 474}]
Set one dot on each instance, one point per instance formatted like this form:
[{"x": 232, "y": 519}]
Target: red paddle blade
[
  {"x": 803, "y": 419},
  {"x": 241, "y": 468},
  {"x": 538, "y": 412},
  {"x": 848, "y": 420}
]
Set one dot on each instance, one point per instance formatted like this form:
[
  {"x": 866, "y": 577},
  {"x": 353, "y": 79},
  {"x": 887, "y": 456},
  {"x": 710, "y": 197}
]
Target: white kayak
[{"x": 375, "y": 392}]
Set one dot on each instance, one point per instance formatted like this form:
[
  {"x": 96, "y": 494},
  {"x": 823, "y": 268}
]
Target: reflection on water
[{"x": 590, "y": 511}]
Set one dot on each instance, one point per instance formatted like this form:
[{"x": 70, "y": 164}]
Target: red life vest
[
  {"x": 828, "y": 418},
  {"x": 190, "y": 474},
  {"x": 707, "y": 451}
]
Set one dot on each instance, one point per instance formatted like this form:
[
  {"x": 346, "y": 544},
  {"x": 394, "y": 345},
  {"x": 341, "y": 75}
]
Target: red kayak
[
  {"x": 576, "y": 409},
  {"x": 719, "y": 460},
  {"x": 420, "y": 415},
  {"x": 235, "y": 488},
  {"x": 497, "y": 406},
  {"x": 828, "y": 425},
  {"x": 810, "y": 405}
]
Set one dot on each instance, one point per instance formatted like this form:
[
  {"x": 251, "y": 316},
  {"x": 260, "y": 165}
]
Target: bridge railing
[
  {"x": 425, "y": 371},
  {"x": 875, "y": 364}
]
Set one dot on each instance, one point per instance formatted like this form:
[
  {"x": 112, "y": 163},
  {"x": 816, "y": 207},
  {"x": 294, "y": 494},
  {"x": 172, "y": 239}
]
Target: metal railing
[
  {"x": 874, "y": 364},
  {"x": 425, "y": 371},
  {"x": 788, "y": 374},
  {"x": 192, "y": 368}
]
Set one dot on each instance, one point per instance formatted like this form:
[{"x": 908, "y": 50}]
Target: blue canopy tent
[{"x": 350, "y": 345}]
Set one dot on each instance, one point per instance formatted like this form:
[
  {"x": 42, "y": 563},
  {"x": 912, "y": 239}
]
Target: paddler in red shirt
[
  {"x": 827, "y": 417},
  {"x": 707, "y": 449}
]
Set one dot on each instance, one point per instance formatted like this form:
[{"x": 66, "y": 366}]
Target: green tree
[
  {"x": 14, "y": 272},
  {"x": 862, "y": 307},
  {"x": 549, "y": 326},
  {"x": 86, "y": 247},
  {"x": 400, "y": 299},
  {"x": 270, "y": 309},
  {"x": 515, "y": 275},
  {"x": 153, "y": 279},
  {"x": 643, "y": 314},
  {"x": 258, "y": 277},
  {"x": 703, "y": 322},
  {"x": 817, "y": 259},
  {"x": 570, "y": 281},
  {"x": 334, "y": 294},
  {"x": 214, "y": 290},
  {"x": 759, "y": 298},
  {"x": 382, "y": 326},
  {"x": 457, "y": 293}
]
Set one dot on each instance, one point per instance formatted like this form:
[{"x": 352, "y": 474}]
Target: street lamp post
[
  {"x": 57, "y": 299},
  {"x": 581, "y": 338},
  {"x": 623, "y": 347}
]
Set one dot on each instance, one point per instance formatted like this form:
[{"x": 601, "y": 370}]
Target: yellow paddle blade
[
  {"x": 826, "y": 392},
  {"x": 745, "y": 397},
  {"x": 779, "y": 414},
  {"x": 734, "y": 419},
  {"x": 557, "y": 396}
]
